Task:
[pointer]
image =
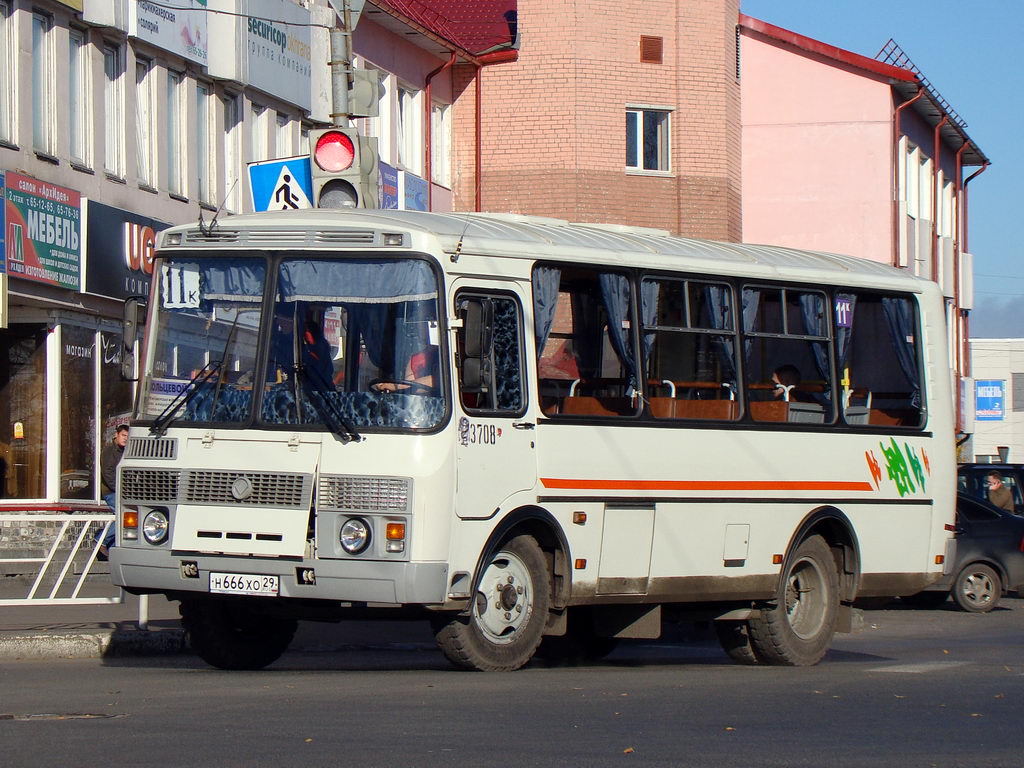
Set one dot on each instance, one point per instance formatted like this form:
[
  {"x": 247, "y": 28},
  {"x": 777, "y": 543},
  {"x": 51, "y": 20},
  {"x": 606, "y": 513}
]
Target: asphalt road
[{"x": 913, "y": 688}]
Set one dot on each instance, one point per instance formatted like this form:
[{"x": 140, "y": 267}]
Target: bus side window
[
  {"x": 879, "y": 360},
  {"x": 689, "y": 348},
  {"x": 788, "y": 355},
  {"x": 583, "y": 329},
  {"x": 490, "y": 360}
]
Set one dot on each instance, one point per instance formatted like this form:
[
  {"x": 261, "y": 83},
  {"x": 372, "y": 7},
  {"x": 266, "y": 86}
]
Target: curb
[{"x": 92, "y": 645}]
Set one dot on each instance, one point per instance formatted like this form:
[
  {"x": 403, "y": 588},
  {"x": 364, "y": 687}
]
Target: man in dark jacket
[{"x": 110, "y": 457}]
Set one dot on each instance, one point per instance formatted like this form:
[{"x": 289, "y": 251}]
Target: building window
[
  {"x": 204, "y": 131},
  {"x": 145, "y": 128},
  {"x": 440, "y": 143},
  {"x": 647, "y": 140},
  {"x": 283, "y": 136},
  {"x": 23, "y": 412},
  {"x": 77, "y": 412},
  {"x": 231, "y": 136},
  {"x": 79, "y": 112},
  {"x": 113, "y": 98},
  {"x": 43, "y": 81},
  {"x": 175, "y": 148},
  {"x": 410, "y": 130},
  {"x": 258, "y": 133},
  {"x": 7, "y": 71}
]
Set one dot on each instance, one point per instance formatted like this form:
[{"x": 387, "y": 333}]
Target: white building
[{"x": 998, "y": 368}]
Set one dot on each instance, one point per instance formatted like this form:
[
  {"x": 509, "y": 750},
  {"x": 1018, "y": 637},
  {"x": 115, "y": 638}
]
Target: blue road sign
[{"x": 281, "y": 185}]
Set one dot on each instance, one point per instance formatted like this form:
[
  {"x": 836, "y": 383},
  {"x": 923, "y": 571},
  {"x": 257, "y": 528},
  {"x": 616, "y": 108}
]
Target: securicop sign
[{"x": 43, "y": 232}]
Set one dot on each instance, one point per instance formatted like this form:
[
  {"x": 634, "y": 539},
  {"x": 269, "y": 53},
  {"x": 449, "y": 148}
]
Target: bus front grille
[
  {"x": 150, "y": 485},
  {"x": 247, "y": 488},
  {"x": 364, "y": 494}
]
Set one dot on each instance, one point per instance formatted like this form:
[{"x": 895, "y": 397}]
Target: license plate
[{"x": 244, "y": 584}]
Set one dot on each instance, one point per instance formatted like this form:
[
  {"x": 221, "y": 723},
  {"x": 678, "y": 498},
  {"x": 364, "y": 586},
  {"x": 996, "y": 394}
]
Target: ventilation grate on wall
[{"x": 651, "y": 49}]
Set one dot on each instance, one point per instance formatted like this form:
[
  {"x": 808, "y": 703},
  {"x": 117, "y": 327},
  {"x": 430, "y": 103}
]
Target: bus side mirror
[
  {"x": 473, "y": 371},
  {"x": 134, "y": 308}
]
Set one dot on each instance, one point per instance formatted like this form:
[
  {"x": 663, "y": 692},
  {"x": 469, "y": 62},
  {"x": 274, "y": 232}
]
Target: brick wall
[{"x": 553, "y": 123}]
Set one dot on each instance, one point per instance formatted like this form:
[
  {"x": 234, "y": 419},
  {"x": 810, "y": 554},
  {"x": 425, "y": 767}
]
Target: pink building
[{"x": 859, "y": 156}]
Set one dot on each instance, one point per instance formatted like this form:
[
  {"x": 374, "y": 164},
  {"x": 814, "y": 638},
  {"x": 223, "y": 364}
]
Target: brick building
[{"x": 626, "y": 112}]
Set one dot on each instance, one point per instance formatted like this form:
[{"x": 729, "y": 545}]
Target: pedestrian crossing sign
[{"x": 281, "y": 185}]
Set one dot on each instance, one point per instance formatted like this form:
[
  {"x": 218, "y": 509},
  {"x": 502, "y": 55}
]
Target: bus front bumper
[{"x": 356, "y": 581}]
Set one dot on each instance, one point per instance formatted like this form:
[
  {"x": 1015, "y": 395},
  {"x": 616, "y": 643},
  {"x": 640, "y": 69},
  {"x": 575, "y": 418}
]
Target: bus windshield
[{"x": 349, "y": 344}]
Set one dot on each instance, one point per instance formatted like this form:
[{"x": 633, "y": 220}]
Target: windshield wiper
[
  {"x": 341, "y": 427},
  {"x": 161, "y": 422}
]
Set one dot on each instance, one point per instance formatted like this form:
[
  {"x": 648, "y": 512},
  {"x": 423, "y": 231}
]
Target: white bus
[{"x": 535, "y": 434}]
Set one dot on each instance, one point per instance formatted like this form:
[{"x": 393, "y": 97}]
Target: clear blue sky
[{"x": 971, "y": 53}]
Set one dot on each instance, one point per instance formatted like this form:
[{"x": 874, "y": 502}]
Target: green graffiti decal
[
  {"x": 915, "y": 465},
  {"x": 896, "y": 466}
]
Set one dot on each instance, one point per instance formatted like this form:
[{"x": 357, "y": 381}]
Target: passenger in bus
[
  {"x": 422, "y": 370},
  {"x": 786, "y": 379},
  {"x": 314, "y": 349}
]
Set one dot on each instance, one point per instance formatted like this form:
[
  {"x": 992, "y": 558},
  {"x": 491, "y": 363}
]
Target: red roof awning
[{"x": 475, "y": 26}]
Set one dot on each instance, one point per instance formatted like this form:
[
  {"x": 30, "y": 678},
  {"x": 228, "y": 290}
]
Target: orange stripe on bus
[{"x": 704, "y": 485}]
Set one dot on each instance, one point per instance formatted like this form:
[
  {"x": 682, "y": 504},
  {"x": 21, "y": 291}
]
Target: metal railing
[{"x": 75, "y": 543}]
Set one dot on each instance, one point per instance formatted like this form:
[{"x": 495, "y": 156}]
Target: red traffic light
[{"x": 334, "y": 151}]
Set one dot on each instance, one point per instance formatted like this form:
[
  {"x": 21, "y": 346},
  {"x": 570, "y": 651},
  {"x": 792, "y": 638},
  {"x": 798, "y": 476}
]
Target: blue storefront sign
[
  {"x": 388, "y": 186},
  {"x": 989, "y": 399},
  {"x": 415, "y": 192}
]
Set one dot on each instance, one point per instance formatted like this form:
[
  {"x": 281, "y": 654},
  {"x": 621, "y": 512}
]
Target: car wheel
[{"x": 978, "y": 588}]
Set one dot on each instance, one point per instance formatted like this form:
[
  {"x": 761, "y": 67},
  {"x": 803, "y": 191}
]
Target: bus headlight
[
  {"x": 354, "y": 536},
  {"x": 155, "y": 527}
]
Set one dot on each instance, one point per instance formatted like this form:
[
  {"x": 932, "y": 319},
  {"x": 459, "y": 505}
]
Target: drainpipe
[
  {"x": 429, "y": 129},
  {"x": 958, "y": 331},
  {"x": 498, "y": 57},
  {"x": 936, "y": 197},
  {"x": 896, "y": 133},
  {"x": 967, "y": 319}
]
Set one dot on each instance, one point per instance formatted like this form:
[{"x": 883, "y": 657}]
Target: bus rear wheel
[
  {"x": 508, "y": 613},
  {"x": 796, "y": 631},
  {"x": 228, "y": 636}
]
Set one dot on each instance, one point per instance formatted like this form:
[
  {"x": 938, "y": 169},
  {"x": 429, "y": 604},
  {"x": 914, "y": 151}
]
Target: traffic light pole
[{"x": 341, "y": 64}]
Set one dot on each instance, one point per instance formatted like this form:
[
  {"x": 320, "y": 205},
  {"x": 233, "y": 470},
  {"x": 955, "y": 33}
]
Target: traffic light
[
  {"x": 345, "y": 170},
  {"x": 364, "y": 93}
]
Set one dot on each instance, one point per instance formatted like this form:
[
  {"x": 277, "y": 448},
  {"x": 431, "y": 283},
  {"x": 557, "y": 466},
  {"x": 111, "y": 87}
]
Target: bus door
[{"x": 495, "y": 432}]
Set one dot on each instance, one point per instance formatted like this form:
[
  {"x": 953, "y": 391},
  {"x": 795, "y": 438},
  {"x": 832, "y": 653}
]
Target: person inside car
[{"x": 999, "y": 495}]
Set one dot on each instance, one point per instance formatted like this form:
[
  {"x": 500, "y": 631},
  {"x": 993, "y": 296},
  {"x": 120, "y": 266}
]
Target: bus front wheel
[
  {"x": 796, "y": 631},
  {"x": 506, "y": 619},
  {"x": 227, "y": 636}
]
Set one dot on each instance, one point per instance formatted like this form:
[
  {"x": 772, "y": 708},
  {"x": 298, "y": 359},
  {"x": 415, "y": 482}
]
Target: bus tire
[
  {"x": 796, "y": 631},
  {"x": 734, "y": 637},
  {"x": 507, "y": 616},
  {"x": 228, "y": 636}
]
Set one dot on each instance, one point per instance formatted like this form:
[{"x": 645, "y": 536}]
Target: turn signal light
[
  {"x": 940, "y": 559},
  {"x": 580, "y": 563},
  {"x": 395, "y": 531},
  {"x": 130, "y": 519},
  {"x": 776, "y": 559}
]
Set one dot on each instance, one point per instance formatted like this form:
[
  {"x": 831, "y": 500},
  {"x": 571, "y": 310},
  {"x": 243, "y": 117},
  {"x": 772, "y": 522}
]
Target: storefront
[{"x": 70, "y": 263}]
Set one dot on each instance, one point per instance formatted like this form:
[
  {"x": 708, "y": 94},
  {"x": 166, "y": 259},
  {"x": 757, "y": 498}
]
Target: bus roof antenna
[{"x": 207, "y": 229}]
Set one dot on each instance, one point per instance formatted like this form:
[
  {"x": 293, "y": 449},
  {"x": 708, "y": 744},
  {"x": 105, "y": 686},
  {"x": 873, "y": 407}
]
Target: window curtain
[
  {"x": 545, "y": 301},
  {"x": 812, "y": 309},
  {"x": 650, "y": 291},
  {"x": 899, "y": 316},
  {"x": 356, "y": 281},
  {"x": 716, "y": 298},
  {"x": 615, "y": 295}
]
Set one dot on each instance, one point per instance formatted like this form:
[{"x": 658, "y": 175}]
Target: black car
[
  {"x": 989, "y": 558},
  {"x": 972, "y": 479}
]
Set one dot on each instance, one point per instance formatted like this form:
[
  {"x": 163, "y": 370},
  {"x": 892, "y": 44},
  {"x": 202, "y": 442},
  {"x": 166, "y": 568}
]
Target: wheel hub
[{"x": 509, "y": 598}]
